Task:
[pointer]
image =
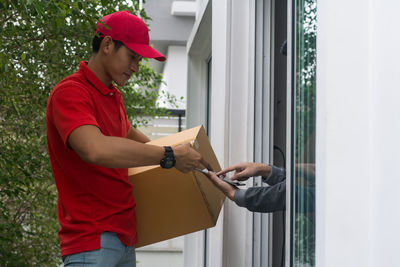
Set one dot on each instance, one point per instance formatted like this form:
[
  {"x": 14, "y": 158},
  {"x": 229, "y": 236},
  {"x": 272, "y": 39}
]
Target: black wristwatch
[{"x": 169, "y": 159}]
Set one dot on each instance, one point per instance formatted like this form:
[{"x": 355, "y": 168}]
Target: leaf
[{"x": 39, "y": 8}]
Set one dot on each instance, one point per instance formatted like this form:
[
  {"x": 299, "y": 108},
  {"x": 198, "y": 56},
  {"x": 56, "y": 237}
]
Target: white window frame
[
  {"x": 232, "y": 40},
  {"x": 289, "y": 111},
  {"x": 262, "y": 223},
  {"x": 199, "y": 52}
]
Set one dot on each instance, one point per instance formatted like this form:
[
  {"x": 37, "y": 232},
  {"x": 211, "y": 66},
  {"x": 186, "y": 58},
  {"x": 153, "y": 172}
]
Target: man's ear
[{"x": 107, "y": 45}]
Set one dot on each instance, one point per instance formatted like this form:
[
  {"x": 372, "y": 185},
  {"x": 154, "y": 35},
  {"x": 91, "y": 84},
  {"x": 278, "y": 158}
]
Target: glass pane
[
  {"x": 208, "y": 130},
  {"x": 303, "y": 150}
]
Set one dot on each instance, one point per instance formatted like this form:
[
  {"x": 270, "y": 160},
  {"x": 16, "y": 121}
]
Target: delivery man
[{"x": 91, "y": 144}]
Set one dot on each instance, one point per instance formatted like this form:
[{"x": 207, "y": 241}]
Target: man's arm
[
  {"x": 115, "y": 152},
  {"x": 136, "y": 135}
]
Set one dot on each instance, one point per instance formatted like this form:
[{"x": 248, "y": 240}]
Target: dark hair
[{"x": 97, "y": 41}]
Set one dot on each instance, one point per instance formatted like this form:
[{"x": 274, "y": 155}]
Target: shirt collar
[{"x": 92, "y": 78}]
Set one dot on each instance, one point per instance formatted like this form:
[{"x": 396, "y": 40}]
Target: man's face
[{"x": 121, "y": 64}]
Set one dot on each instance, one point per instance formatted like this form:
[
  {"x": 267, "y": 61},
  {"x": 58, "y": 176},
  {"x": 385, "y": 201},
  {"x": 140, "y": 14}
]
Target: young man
[{"x": 91, "y": 144}]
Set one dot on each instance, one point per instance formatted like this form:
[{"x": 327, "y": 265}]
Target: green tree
[{"x": 42, "y": 41}]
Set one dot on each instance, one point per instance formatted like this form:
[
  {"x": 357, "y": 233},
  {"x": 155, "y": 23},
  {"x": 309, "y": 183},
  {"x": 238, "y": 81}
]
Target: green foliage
[
  {"x": 42, "y": 41},
  {"x": 140, "y": 95}
]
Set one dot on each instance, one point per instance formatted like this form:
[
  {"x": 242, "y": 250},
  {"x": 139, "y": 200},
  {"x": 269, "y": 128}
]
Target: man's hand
[
  {"x": 187, "y": 158},
  {"x": 245, "y": 170},
  {"x": 226, "y": 188}
]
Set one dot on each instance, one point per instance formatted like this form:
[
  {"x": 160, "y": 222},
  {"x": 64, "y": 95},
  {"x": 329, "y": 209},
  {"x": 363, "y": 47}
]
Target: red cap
[{"x": 131, "y": 31}]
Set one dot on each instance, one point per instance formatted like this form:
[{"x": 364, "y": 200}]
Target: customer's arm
[
  {"x": 262, "y": 199},
  {"x": 276, "y": 176},
  {"x": 245, "y": 170},
  {"x": 258, "y": 199},
  {"x": 265, "y": 199}
]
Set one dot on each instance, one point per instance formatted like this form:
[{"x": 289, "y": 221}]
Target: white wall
[
  {"x": 232, "y": 118},
  {"x": 167, "y": 253},
  {"x": 175, "y": 76},
  {"x": 238, "y": 114},
  {"x": 385, "y": 84},
  {"x": 358, "y": 77},
  {"x": 199, "y": 51},
  {"x": 358, "y": 131}
]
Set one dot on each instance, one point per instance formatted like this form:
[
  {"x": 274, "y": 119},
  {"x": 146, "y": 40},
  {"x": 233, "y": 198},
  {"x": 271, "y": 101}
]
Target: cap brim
[{"x": 146, "y": 51}]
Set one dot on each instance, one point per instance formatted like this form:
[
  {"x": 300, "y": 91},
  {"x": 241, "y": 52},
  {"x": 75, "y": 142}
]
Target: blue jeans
[{"x": 112, "y": 253}]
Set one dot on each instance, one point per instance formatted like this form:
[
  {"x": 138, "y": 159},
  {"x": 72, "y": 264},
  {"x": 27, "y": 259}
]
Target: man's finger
[
  {"x": 235, "y": 177},
  {"x": 228, "y": 169},
  {"x": 238, "y": 176}
]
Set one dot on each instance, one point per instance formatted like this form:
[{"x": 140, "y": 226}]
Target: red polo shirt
[{"x": 91, "y": 199}]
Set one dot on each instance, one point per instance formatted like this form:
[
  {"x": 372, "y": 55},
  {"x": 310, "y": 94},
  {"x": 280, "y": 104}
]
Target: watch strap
[{"x": 169, "y": 159}]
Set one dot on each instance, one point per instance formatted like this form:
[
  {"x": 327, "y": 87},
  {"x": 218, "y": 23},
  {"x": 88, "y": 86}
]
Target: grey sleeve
[
  {"x": 276, "y": 176},
  {"x": 262, "y": 199}
]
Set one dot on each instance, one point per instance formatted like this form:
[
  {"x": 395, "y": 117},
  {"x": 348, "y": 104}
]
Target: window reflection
[{"x": 303, "y": 151}]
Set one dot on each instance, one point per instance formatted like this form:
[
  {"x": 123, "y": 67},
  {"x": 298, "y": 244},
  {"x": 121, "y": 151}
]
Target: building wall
[
  {"x": 357, "y": 133},
  {"x": 239, "y": 119},
  {"x": 175, "y": 76},
  {"x": 165, "y": 28},
  {"x": 357, "y": 129},
  {"x": 232, "y": 113}
]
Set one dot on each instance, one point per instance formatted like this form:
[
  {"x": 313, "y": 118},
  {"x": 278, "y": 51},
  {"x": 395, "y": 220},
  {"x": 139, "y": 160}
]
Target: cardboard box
[{"x": 170, "y": 203}]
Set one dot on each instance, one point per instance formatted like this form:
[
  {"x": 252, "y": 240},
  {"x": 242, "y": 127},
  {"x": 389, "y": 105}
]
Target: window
[
  {"x": 270, "y": 122},
  {"x": 197, "y": 245},
  {"x": 303, "y": 134},
  {"x": 208, "y": 125}
]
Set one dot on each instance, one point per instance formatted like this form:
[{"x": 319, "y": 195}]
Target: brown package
[{"x": 170, "y": 203}]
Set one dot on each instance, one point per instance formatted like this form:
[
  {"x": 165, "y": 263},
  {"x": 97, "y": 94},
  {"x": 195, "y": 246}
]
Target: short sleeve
[{"x": 71, "y": 107}]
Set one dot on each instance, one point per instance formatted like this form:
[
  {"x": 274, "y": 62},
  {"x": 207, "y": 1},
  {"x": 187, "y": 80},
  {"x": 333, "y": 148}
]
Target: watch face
[
  {"x": 169, "y": 163},
  {"x": 169, "y": 160}
]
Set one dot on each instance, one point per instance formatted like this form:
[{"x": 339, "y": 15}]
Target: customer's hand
[
  {"x": 245, "y": 170},
  {"x": 226, "y": 188},
  {"x": 187, "y": 158}
]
